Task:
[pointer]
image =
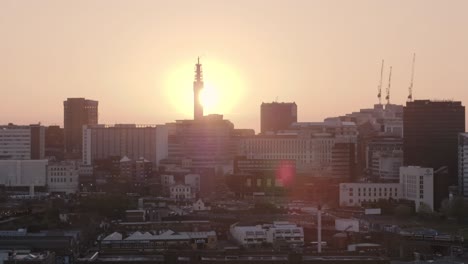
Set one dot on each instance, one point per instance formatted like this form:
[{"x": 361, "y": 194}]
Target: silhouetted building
[
  {"x": 54, "y": 142},
  {"x": 77, "y": 113},
  {"x": 384, "y": 157},
  {"x": 343, "y": 163},
  {"x": 277, "y": 116},
  {"x": 139, "y": 170},
  {"x": 202, "y": 143},
  {"x": 430, "y": 139},
  {"x": 262, "y": 176},
  {"x": 463, "y": 164},
  {"x": 22, "y": 142},
  {"x": 133, "y": 141},
  {"x": 310, "y": 144},
  {"x": 30, "y": 258},
  {"x": 197, "y": 88},
  {"x": 65, "y": 244}
]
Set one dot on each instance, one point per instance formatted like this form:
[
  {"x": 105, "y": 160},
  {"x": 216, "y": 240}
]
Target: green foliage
[
  {"x": 110, "y": 205},
  {"x": 456, "y": 208},
  {"x": 266, "y": 207},
  {"x": 403, "y": 211}
]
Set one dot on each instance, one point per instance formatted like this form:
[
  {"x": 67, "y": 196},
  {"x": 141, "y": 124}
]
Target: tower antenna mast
[
  {"x": 379, "y": 88},
  {"x": 410, "y": 88},
  {"x": 389, "y": 85}
]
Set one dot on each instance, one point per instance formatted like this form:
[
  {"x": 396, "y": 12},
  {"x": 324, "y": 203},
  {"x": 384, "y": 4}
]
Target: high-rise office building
[
  {"x": 77, "y": 113},
  {"x": 54, "y": 143},
  {"x": 463, "y": 164},
  {"x": 277, "y": 116},
  {"x": 22, "y": 142},
  {"x": 430, "y": 139}
]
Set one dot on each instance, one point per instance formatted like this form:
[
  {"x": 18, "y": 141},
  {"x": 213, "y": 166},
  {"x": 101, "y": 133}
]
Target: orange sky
[{"x": 324, "y": 55}]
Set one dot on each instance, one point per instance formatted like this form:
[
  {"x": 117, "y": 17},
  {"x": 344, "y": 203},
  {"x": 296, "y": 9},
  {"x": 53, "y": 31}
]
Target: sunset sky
[{"x": 137, "y": 57}]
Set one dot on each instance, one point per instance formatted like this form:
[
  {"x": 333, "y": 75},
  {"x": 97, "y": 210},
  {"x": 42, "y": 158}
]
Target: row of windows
[
  {"x": 180, "y": 189},
  {"x": 375, "y": 189},
  {"x": 60, "y": 174},
  {"x": 60, "y": 180}
]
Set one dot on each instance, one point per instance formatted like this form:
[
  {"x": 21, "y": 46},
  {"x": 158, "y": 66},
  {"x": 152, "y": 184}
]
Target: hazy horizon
[{"x": 137, "y": 58}]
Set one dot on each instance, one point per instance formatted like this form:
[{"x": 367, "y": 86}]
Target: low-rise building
[
  {"x": 416, "y": 184},
  {"x": 31, "y": 258},
  {"x": 181, "y": 192},
  {"x": 23, "y": 173},
  {"x": 150, "y": 241},
  {"x": 354, "y": 194},
  {"x": 277, "y": 233},
  {"x": 62, "y": 177},
  {"x": 200, "y": 205},
  {"x": 248, "y": 236}
]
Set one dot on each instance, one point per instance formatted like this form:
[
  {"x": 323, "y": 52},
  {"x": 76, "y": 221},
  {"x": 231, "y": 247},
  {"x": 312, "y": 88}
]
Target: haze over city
[{"x": 137, "y": 59}]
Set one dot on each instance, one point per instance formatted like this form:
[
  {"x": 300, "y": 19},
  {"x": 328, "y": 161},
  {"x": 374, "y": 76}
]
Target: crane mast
[
  {"x": 410, "y": 88},
  {"x": 388, "y": 87},
  {"x": 379, "y": 88}
]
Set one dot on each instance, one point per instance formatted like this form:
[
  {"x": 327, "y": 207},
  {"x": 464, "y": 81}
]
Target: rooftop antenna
[
  {"x": 410, "y": 88},
  {"x": 379, "y": 88},
  {"x": 388, "y": 87}
]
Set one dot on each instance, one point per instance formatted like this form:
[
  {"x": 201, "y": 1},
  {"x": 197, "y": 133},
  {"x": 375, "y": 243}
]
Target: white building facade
[
  {"x": 354, "y": 194},
  {"x": 416, "y": 184},
  {"x": 62, "y": 177},
  {"x": 276, "y": 233}
]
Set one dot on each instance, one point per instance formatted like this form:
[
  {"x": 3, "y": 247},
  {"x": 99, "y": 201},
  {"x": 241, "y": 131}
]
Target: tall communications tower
[{"x": 197, "y": 88}]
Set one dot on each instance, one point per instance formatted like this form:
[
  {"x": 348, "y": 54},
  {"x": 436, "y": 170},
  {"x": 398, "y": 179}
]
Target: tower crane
[
  {"x": 410, "y": 88},
  {"x": 388, "y": 87},
  {"x": 379, "y": 88}
]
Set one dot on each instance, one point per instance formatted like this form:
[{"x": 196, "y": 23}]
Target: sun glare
[{"x": 221, "y": 93}]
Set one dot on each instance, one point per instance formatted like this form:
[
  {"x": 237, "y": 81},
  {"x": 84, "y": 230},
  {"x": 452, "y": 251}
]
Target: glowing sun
[{"x": 222, "y": 87}]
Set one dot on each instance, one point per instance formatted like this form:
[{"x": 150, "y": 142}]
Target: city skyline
[{"x": 138, "y": 61}]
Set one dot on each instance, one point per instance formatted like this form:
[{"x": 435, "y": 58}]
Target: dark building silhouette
[
  {"x": 277, "y": 116},
  {"x": 430, "y": 139},
  {"x": 197, "y": 88},
  {"x": 343, "y": 162},
  {"x": 266, "y": 176},
  {"x": 54, "y": 142},
  {"x": 77, "y": 113}
]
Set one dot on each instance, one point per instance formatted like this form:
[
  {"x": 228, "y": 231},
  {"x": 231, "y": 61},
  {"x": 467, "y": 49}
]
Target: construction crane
[
  {"x": 410, "y": 88},
  {"x": 388, "y": 87},
  {"x": 379, "y": 88}
]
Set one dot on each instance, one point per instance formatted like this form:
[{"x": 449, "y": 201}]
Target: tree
[
  {"x": 458, "y": 209},
  {"x": 425, "y": 211},
  {"x": 403, "y": 211}
]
